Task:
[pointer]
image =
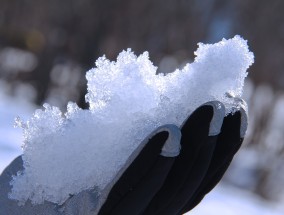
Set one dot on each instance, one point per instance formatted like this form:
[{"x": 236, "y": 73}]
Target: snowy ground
[
  {"x": 222, "y": 200},
  {"x": 227, "y": 200},
  {"x": 10, "y": 137}
]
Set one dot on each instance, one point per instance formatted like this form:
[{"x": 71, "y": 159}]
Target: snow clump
[{"x": 65, "y": 153}]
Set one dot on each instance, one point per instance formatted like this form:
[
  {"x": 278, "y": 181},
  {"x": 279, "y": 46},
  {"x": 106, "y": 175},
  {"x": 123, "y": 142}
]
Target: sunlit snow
[{"x": 66, "y": 153}]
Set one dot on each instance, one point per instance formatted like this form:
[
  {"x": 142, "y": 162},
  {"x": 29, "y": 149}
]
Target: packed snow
[{"x": 65, "y": 153}]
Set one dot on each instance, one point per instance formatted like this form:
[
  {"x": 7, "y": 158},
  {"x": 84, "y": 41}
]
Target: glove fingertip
[
  {"x": 217, "y": 118},
  {"x": 172, "y": 145},
  {"x": 244, "y": 119}
]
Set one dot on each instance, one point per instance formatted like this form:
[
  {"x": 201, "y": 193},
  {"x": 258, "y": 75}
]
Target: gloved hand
[
  {"x": 156, "y": 179},
  {"x": 208, "y": 144}
]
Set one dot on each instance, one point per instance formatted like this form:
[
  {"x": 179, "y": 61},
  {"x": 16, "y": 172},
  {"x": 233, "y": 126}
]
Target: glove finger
[
  {"x": 194, "y": 142},
  {"x": 201, "y": 163},
  {"x": 228, "y": 143},
  {"x": 145, "y": 175}
]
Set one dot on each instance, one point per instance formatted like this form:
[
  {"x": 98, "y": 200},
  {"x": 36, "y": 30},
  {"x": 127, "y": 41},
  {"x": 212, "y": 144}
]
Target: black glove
[
  {"x": 157, "y": 179},
  {"x": 146, "y": 174},
  {"x": 207, "y": 147},
  {"x": 204, "y": 158}
]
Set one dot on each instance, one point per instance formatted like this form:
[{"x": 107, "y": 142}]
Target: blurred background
[{"x": 47, "y": 46}]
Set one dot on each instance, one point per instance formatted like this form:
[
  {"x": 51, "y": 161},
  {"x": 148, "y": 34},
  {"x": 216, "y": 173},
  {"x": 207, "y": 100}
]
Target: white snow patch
[
  {"x": 10, "y": 138},
  {"x": 66, "y": 153},
  {"x": 228, "y": 200}
]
